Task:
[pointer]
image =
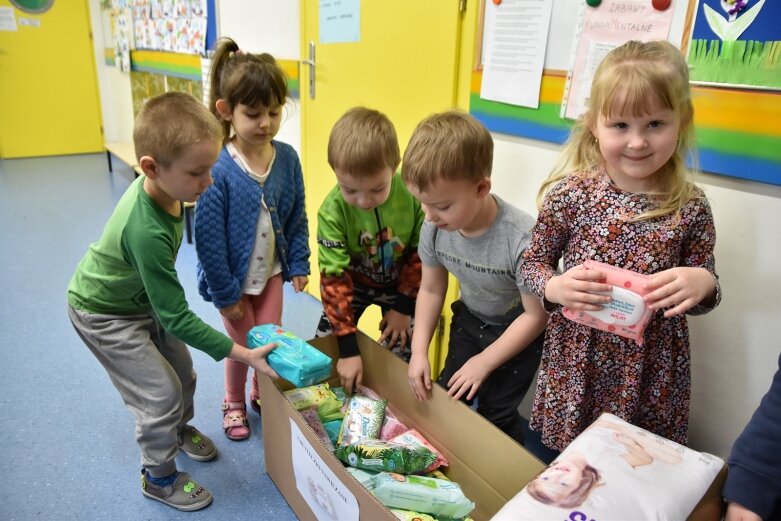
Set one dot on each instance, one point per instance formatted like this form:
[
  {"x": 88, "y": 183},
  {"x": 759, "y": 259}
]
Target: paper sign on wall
[
  {"x": 514, "y": 35},
  {"x": 7, "y": 19},
  {"x": 340, "y": 21},
  {"x": 326, "y": 495},
  {"x": 602, "y": 29}
]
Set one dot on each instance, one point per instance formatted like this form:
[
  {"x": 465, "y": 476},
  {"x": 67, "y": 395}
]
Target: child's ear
[
  {"x": 149, "y": 166},
  {"x": 484, "y": 187},
  {"x": 224, "y": 109}
]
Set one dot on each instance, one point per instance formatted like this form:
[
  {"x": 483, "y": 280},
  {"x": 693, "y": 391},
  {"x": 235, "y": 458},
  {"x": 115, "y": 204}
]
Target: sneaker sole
[{"x": 184, "y": 508}]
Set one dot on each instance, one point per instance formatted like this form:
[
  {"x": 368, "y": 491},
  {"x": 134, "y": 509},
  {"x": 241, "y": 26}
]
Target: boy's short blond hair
[
  {"x": 168, "y": 123},
  {"x": 362, "y": 142},
  {"x": 452, "y": 146}
]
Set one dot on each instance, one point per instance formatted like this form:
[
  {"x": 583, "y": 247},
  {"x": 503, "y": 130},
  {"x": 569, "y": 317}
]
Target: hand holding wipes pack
[
  {"x": 293, "y": 359},
  {"x": 626, "y": 314}
]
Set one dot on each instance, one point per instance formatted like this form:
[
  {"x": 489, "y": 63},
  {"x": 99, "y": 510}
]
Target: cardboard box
[{"x": 489, "y": 466}]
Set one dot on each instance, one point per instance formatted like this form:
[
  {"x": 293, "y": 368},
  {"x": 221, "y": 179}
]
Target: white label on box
[{"x": 326, "y": 495}]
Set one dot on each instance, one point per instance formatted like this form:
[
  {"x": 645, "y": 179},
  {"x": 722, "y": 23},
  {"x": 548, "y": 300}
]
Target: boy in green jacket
[
  {"x": 127, "y": 305},
  {"x": 367, "y": 235}
]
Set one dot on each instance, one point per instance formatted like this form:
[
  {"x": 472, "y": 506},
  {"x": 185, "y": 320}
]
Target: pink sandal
[{"x": 234, "y": 421}]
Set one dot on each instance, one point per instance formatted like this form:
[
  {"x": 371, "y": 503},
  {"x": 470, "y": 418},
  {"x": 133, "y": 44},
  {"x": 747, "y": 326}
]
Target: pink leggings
[{"x": 265, "y": 308}]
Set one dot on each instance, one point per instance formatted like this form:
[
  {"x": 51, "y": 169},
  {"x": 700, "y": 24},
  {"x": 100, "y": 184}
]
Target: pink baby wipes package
[{"x": 626, "y": 314}]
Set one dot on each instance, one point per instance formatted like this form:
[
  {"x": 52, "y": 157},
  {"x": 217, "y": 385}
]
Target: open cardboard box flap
[{"x": 489, "y": 466}]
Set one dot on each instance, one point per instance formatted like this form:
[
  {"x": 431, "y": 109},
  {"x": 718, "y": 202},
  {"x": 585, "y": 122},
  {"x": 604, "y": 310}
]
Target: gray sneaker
[
  {"x": 184, "y": 494},
  {"x": 197, "y": 446}
]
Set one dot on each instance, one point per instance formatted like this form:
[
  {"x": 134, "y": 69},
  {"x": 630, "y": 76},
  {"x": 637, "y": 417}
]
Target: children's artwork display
[
  {"x": 737, "y": 42},
  {"x": 162, "y": 25}
]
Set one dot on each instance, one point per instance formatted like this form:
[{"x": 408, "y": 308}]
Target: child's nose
[{"x": 637, "y": 140}]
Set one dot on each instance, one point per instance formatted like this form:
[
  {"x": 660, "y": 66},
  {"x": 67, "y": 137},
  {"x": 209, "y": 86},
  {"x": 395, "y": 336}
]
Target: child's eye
[
  {"x": 655, "y": 124},
  {"x": 273, "y": 114},
  {"x": 621, "y": 125},
  {"x": 378, "y": 190},
  {"x": 443, "y": 208}
]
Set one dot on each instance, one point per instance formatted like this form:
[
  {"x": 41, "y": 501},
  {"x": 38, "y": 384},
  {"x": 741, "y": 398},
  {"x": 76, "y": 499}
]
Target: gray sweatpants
[{"x": 153, "y": 372}]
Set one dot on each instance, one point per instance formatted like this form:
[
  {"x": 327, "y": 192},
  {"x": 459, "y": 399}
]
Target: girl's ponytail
[{"x": 224, "y": 50}]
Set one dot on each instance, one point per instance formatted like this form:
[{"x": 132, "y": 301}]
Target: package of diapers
[
  {"x": 294, "y": 360},
  {"x": 615, "y": 471},
  {"x": 626, "y": 314}
]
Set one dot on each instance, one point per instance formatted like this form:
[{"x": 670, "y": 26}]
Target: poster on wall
[
  {"x": 602, "y": 29},
  {"x": 737, "y": 43},
  {"x": 515, "y": 34}
]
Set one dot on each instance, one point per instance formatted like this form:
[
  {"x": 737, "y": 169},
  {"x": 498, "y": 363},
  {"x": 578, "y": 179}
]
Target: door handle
[{"x": 311, "y": 63}]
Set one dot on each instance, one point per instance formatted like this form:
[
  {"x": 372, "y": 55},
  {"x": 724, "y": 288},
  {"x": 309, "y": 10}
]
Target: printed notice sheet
[
  {"x": 515, "y": 33},
  {"x": 326, "y": 495},
  {"x": 340, "y": 21},
  {"x": 602, "y": 29}
]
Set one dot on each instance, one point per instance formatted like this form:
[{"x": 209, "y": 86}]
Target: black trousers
[{"x": 502, "y": 392}]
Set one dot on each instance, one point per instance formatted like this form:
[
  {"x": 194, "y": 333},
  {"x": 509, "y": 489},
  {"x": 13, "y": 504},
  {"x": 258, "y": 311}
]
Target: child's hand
[
  {"x": 233, "y": 312},
  {"x": 350, "y": 371},
  {"x": 257, "y": 359},
  {"x": 579, "y": 288},
  {"x": 300, "y": 282},
  {"x": 468, "y": 379},
  {"x": 679, "y": 289},
  {"x": 419, "y": 374},
  {"x": 395, "y": 327}
]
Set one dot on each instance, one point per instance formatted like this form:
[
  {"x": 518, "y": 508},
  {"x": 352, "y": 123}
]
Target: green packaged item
[
  {"x": 409, "y": 515},
  {"x": 436, "y": 497},
  {"x": 381, "y": 455},
  {"x": 293, "y": 359},
  {"x": 332, "y": 428},
  {"x": 341, "y": 394},
  {"x": 364, "y": 477},
  {"x": 330, "y": 409},
  {"x": 306, "y": 397}
]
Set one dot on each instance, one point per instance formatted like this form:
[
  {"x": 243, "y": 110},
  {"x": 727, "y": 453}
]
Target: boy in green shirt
[
  {"x": 367, "y": 235},
  {"x": 127, "y": 305}
]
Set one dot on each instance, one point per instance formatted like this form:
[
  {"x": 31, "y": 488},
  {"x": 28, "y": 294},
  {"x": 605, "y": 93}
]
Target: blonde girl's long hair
[
  {"x": 244, "y": 78},
  {"x": 626, "y": 80}
]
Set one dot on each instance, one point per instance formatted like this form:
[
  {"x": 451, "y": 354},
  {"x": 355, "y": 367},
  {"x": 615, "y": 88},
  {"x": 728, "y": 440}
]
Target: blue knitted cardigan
[{"x": 226, "y": 218}]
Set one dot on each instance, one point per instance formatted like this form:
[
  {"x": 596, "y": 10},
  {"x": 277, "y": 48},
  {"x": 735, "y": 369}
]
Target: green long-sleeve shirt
[{"x": 131, "y": 270}]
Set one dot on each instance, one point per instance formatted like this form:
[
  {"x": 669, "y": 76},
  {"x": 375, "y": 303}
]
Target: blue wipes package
[{"x": 294, "y": 360}]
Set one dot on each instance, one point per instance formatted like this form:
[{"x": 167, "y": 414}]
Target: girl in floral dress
[{"x": 621, "y": 195}]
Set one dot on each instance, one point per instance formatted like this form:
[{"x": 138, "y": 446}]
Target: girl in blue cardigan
[{"x": 250, "y": 225}]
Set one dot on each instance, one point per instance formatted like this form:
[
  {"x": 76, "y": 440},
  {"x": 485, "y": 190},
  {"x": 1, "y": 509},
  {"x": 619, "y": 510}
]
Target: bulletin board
[{"x": 736, "y": 128}]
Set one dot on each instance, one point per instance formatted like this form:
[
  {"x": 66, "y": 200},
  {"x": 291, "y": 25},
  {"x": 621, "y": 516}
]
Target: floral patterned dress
[{"x": 585, "y": 371}]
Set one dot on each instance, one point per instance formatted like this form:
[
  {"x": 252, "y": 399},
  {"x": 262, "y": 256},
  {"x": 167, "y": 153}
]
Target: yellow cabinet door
[
  {"x": 405, "y": 64},
  {"x": 49, "y": 103}
]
